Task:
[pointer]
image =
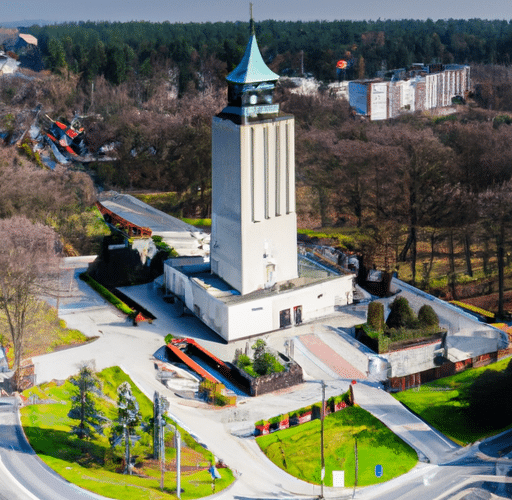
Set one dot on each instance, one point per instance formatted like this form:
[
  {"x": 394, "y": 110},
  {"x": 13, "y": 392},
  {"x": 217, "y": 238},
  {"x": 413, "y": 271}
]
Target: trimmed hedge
[
  {"x": 376, "y": 316},
  {"x": 108, "y": 295}
]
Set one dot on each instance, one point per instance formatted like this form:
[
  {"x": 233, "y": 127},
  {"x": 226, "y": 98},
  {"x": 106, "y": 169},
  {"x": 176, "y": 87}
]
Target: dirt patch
[{"x": 490, "y": 302}]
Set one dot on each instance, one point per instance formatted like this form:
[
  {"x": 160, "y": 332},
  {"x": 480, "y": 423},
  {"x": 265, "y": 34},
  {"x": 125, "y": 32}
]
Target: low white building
[
  {"x": 8, "y": 65},
  {"x": 234, "y": 316}
]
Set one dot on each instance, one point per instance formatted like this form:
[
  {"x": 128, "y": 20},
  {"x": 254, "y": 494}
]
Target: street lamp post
[{"x": 322, "y": 458}]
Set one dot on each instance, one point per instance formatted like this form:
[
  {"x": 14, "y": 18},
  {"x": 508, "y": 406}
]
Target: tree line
[
  {"x": 448, "y": 178},
  {"x": 199, "y": 51}
]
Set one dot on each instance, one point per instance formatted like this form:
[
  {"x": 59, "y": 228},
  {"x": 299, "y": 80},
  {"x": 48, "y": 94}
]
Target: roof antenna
[{"x": 251, "y": 23}]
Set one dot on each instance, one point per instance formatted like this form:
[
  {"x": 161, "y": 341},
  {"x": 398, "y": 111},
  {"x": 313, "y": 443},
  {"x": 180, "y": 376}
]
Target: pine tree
[
  {"x": 128, "y": 415},
  {"x": 83, "y": 407}
]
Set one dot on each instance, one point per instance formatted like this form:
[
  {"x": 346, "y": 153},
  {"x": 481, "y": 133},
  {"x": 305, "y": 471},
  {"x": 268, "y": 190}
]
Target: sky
[{"x": 184, "y": 11}]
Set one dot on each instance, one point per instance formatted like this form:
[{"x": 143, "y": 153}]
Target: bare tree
[
  {"x": 495, "y": 210},
  {"x": 27, "y": 252}
]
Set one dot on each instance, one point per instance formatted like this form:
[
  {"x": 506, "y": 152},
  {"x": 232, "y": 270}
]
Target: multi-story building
[{"x": 422, "y": 88}]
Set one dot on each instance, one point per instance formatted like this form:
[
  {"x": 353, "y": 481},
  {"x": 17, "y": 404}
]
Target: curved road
[{"x": 23, "y": 475}]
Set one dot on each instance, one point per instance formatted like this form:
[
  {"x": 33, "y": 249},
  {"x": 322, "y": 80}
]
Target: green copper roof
[{"x": 252, "y": 68}]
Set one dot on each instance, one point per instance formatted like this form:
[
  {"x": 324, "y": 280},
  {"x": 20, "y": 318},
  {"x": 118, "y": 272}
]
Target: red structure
[
  {"x": 118, "y": 221},
  {"x": 190, "y": 362}
]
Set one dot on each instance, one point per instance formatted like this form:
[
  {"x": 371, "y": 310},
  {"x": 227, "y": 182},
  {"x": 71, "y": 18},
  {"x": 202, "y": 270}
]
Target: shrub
[
  {"x": 427, "y": 316},
  {"x": 316, "y": 410},
  {"x": 304, "y": 410},
  {"x": 375, "y": 318},
  {"x": 168, "y": 338},
  {"x": 107, "y": 295},
  {"x": 243, "y": 361},
  {"x": 401, "y": 314}
]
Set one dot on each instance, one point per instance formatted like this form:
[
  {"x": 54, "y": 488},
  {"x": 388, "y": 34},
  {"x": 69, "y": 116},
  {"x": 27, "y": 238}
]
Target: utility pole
[
  {"x": 162, "y": 453},
  {"x": 163, "y": 406},
  {"x": 127, "y": 449},
  {"x": 356, "y": 466},
  {"x": 322, "y": 440},
  {"x": 156, "y": 424},
  {"x": 178, "y": 463}
]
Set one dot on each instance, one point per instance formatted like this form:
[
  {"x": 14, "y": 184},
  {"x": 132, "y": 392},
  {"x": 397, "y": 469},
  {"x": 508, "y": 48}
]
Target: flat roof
[
  {"x": 141, "y": 214},
  {"x": 217, "y": 287},
  {"x": 184, "y": 238}
]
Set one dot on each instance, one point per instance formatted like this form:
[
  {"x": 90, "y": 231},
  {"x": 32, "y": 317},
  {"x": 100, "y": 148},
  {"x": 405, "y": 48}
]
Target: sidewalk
[{"x": 429, "y": 443}]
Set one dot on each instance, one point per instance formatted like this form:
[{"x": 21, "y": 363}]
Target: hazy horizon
[{"x": 26, "y": 12}]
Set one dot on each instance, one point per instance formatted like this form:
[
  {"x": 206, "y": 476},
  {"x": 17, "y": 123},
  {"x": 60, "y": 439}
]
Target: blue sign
[
  {"x": 214, "y": 472},
  {"x": 379, "y": 470}
]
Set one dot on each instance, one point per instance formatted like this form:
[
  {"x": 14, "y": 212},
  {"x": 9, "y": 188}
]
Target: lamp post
[
  {"x": 322, "y": 458},
  {"x": 178, "y": 462},
  {"x": 178, "y": 459},
  {"x": 322, "y": 415}
]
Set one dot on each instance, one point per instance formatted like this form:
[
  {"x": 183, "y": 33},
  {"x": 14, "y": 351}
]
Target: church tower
[{"x": 254, "y": 224}]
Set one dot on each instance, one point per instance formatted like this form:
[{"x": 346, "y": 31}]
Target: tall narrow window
[
  {"x": 287, "y": 160},
  {"x": 266, "y": 172},
  {"x": 251, "y": 166},
  {"x": 278, "y": 171}
]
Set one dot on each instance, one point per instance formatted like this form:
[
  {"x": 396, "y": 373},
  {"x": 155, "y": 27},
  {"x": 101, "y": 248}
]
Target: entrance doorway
[
  {"x": 297, "y": 315},
  {"x": 285, "y": 318}
]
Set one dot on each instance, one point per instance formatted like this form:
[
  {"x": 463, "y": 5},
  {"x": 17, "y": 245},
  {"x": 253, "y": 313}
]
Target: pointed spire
[
  {"x": 252, "y": 68},
  {"x": 252, "y": 30}
]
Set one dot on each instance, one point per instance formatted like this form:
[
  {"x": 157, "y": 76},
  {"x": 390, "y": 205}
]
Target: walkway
[
  {"x": 431, "y": 445},
  {"x": 330, "y": 358}
]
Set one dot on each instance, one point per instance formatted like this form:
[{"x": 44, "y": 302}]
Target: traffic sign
[{"x": 379, "y": 470}]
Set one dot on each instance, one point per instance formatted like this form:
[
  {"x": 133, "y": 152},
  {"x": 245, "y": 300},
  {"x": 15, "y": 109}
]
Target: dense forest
[{"x": 197, "y": 52}]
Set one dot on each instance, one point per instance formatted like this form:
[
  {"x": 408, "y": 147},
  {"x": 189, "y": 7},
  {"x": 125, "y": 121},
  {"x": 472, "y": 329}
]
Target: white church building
[{"x": 253, "y": 283}]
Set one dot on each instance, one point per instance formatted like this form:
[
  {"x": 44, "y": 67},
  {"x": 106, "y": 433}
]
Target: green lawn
[
  {"x": 94, "y": 465},
  {"x": 297, "y": 449},
  {"x": 436, "y": 403}
]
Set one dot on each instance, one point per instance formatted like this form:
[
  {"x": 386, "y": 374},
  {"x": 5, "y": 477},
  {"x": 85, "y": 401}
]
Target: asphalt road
[{"x": 23, "y": 475}]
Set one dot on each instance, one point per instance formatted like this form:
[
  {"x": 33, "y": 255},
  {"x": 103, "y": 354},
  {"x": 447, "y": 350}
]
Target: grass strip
[
  {"x": 297, "y": 449},
  {"x": 107, "y": 295},
  {"x": 437, "y": 403},
  {"x": 86, "y": 463}
]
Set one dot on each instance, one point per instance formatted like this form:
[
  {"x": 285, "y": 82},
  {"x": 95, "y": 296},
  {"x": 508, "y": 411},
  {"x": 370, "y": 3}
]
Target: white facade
[
  {"x": 254, "y": 224},
  {"x": 234, "y": 317},
  {"x": 251, "y": 285},
  {"x": 380, "y": 100}
]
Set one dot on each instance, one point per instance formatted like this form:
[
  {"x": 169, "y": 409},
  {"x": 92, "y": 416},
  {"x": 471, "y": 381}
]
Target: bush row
[
  {"x": 107, "y": 295},
  {"x": 302, "y": 415}
]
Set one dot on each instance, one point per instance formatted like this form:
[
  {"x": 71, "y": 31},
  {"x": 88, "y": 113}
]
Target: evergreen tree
[
  {"x": 128, "y": 415},
  {"x": 83, "y": 406}
]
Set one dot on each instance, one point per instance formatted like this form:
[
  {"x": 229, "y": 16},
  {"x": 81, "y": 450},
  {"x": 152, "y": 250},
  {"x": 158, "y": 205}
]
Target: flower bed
[
  {"x": 302, "y": 415},
  {"x": 262, "y": 427}
]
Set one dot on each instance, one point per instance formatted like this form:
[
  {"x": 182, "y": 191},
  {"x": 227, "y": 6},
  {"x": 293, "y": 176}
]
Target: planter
[
  {"x": 306, "y": 417},
  {"x": 294, "y": 419},
  {"x": 339, "y": 406},
  {"x": 284, "y": 424},
  {"x": 327, "y": 409},
  {"x": 263, "y": 429}
]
